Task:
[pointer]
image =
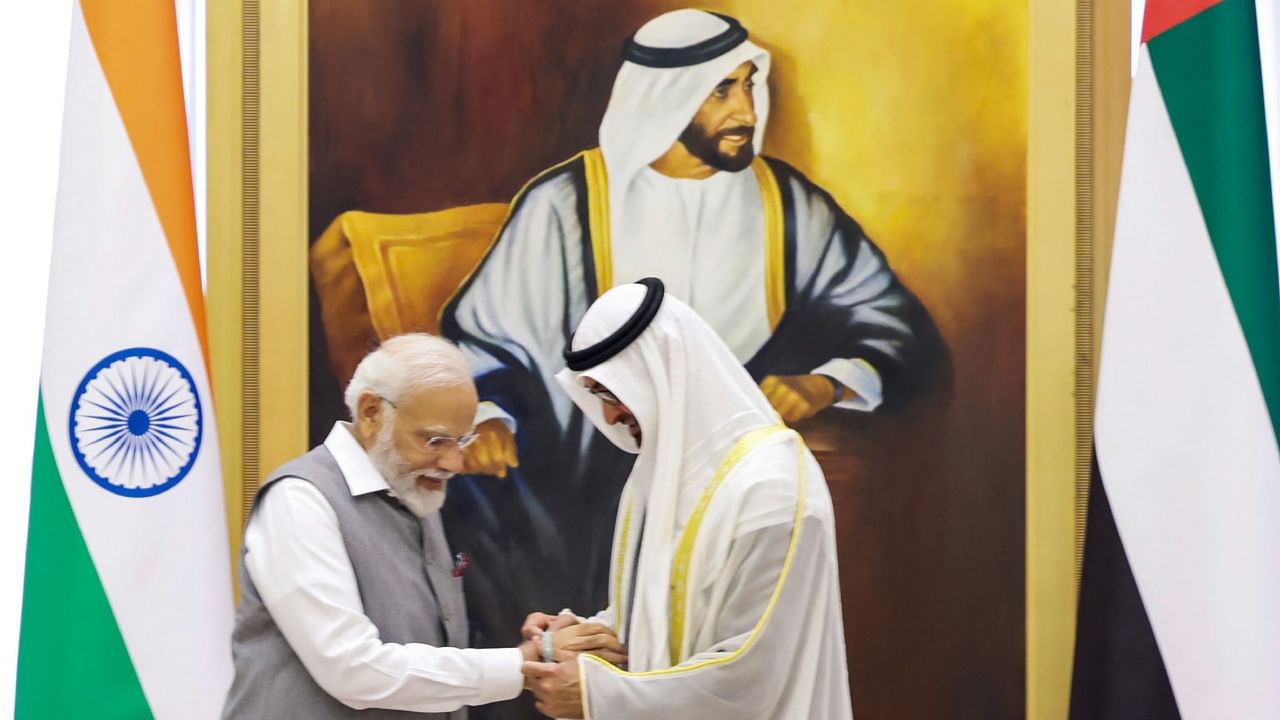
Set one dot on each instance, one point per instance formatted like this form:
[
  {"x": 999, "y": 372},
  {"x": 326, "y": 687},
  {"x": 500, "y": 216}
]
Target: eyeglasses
[
  {"x": 441, "y": 443},
  {"x": 606, "y": 396}
]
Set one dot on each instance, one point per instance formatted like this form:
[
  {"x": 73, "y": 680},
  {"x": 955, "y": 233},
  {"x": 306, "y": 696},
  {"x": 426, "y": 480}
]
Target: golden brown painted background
[{"x": 913, "y": 114}]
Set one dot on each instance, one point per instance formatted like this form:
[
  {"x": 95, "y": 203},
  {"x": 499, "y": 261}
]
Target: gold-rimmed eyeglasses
[{"x": 441, "y": 443}]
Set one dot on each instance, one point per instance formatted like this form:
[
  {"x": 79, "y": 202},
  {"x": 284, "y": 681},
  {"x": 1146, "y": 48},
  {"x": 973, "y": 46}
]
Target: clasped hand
[{"x": 555, "y": 684}]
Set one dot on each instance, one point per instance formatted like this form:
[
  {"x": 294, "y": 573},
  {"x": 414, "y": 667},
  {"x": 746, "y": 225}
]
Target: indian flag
[
  {"x": 127, "y": 600},
  {"x": 1180, "y": 598}
]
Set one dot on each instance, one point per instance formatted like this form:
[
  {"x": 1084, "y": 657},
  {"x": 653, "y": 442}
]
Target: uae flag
[
  {"x": 126, "y": 609},
  {"x": 1179, "y": 613}
]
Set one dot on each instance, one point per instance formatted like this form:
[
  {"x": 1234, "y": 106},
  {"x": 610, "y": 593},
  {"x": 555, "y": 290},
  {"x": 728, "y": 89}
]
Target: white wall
[
  {"x": 33, "y": 70},
  {"x": 191, "y": 39},
  {"x": 1268, "y": 29}
]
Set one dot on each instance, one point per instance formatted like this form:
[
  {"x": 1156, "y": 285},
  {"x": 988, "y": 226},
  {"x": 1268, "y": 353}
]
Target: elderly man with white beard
[
  {"x": 352, "y": 601},
  {"x": 724, "y": 586}
]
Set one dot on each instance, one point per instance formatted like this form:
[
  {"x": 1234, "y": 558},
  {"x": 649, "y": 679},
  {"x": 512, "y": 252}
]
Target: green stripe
[
  {"x": 72, "y": 661},
  {"x": 1211, "y": 77}
]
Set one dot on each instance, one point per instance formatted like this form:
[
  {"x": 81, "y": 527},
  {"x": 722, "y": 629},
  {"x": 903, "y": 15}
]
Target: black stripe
[
  {"x": 589, "y": 357},
  {"x": 1119, "y": 673},
  {"x": 695, "y": 54}
]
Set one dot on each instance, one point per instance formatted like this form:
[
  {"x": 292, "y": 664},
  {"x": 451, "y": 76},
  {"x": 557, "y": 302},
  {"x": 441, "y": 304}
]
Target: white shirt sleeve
[
  {"x": 858, "y": 376},
  {"x": 489, "y": 410},
  {"x": 299, "y": 565}
]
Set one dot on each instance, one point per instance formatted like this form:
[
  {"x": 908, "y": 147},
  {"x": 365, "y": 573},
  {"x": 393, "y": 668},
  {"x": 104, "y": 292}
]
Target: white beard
[{"x": 404, "y": 480}]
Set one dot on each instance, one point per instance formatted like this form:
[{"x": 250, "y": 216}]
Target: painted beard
[
  {"x": 706, "y": 146},
  {"x": 404, "y": 479}
]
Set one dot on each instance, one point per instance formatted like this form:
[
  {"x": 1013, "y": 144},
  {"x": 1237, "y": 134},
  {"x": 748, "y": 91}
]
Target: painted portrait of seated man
[{"x": 677, "y": 190}]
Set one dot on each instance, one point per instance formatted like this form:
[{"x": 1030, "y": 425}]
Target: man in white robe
[
  {"x": 724, "y": 586},
  {"x": 678, "y": 190}
]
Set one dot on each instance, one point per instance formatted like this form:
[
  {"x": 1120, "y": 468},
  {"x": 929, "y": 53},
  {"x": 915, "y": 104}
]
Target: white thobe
[
  {"x": 766, "y": 628},
  {"x": 691, "y": 233}
]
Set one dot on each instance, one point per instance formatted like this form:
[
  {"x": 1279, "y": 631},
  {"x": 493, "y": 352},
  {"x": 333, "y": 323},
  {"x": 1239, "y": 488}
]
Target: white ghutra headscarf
[{"x": 671, "y": 65}]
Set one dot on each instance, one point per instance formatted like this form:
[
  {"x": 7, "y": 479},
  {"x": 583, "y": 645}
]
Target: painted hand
[
  {"x": 797, "y": 397},
  {"x": 555, "y": 687},
  {"x": 493, "y": 451}
]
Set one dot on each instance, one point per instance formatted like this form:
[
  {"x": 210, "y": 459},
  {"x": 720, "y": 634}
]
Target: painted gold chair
[{"x": 379, "y": 275}]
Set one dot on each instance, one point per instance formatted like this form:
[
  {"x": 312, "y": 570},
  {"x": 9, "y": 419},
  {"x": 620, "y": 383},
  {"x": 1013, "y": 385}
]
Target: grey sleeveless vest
[{"x": 404, "y": 571}]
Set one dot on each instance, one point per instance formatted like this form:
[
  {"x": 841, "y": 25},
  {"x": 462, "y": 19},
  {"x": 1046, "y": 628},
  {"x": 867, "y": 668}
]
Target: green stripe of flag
[
  {"x": 1210, "y": 76},
  {"x": 72, "y": 661}
]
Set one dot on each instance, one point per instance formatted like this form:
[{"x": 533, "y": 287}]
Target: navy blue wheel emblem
[{"x": 136, "y": 422}]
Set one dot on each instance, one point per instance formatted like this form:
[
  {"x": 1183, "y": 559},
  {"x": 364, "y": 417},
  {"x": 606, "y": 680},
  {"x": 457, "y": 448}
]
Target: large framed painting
[{"x": 913, "y": 210}]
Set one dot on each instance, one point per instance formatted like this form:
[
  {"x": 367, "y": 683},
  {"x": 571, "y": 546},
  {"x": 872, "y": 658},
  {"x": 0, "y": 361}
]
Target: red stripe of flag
[{"x": 1164, "y": 14}]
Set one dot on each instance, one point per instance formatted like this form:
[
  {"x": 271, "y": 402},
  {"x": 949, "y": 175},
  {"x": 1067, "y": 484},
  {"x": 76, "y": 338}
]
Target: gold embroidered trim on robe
[
  {"x": 598, "y": 218},
  {"x": 775, "y": 260},
  {"x": 744, "y": 445}
]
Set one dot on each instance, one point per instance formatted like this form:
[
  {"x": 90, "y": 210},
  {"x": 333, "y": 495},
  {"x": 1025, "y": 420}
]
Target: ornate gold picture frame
[{"x": 1077, "y": 82}]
